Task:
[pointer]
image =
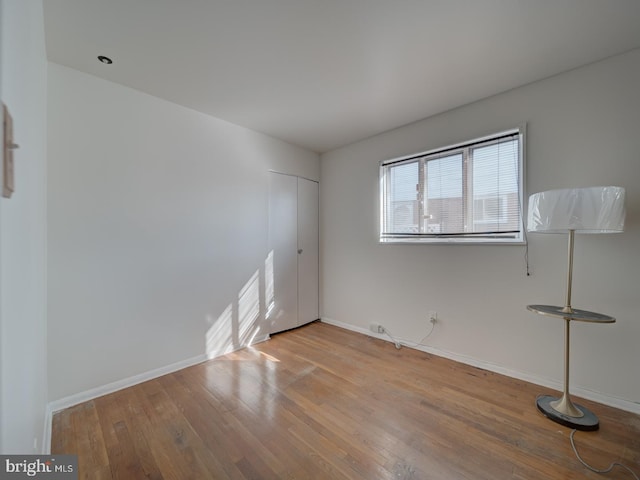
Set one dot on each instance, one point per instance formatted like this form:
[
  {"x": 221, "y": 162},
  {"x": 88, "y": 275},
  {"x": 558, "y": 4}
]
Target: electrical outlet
[
  {"x": 375, "y": 328},
  {"x": 433, "y": 316}
]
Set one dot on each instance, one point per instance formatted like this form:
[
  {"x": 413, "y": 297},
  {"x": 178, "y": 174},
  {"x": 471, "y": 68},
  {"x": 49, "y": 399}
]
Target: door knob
[{"x": 299, "y": 251}]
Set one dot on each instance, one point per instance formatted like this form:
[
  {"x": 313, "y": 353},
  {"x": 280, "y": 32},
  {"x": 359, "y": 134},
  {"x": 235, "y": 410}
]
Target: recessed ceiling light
[{"x": 105, "y": 60}]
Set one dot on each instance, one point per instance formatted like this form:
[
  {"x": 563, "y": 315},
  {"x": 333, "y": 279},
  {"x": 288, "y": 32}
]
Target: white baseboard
[
  {"x": 609, "y": 400},
  {"x": 96, "y": 392},
  {"x": 45, "y": 446}
]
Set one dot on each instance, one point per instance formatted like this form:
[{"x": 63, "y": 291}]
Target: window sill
[{"x": 451, "y": 241}]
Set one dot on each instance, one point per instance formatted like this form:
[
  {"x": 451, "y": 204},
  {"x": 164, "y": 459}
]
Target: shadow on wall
[{"x": 245, "y": 321}]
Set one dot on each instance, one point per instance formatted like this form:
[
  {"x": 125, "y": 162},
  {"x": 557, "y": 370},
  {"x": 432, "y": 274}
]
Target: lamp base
[{"x": 588, "y": 422}]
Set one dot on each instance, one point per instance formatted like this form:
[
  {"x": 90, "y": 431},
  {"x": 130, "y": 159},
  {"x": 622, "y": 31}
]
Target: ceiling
[{"x": 325, "y": 73}]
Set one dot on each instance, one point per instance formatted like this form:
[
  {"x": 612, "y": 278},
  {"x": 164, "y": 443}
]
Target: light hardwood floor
[{"x": 321, "y": 402}]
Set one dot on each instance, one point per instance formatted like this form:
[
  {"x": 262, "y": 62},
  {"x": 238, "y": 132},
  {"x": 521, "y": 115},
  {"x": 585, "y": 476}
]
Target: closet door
[
  {"x": 308, "y": 237},
  {"x": 293, "y": 243},
  {"x": 283, "y": 245}
]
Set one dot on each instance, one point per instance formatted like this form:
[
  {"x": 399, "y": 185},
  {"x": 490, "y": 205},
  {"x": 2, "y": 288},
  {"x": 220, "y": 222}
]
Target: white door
[
  {"x": 293, "y": 244},
  {"x": 308, "y": 237},
  {"x": 283, "y": 245}
]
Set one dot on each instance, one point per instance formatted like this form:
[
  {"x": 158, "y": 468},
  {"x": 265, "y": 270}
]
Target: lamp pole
[
  {"x": 567, "y": 306},
  {"x": 564, "y": 404}
]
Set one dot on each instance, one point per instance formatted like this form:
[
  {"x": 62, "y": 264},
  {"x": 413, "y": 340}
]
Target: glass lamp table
[{"x": 562, "y": 410}]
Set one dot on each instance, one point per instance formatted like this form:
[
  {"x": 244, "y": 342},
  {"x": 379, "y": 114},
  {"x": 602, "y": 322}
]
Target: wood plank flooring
[{"x": 321, "y": 402}]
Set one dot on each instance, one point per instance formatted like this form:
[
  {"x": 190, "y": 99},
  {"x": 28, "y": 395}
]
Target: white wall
[
  {"x": 583, "y": 130},
  {"x": 23, "y": 379},
  {"x": 157, "y": 231}
]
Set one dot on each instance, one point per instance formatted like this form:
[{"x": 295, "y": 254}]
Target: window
[{"x": 466, "y": 193}]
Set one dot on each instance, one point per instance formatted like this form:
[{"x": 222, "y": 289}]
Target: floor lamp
[{"x": 571, "y": 211}]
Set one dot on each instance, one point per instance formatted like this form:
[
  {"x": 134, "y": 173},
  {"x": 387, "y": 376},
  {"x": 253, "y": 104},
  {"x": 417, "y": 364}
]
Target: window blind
[{"x": 467, "y": 191}]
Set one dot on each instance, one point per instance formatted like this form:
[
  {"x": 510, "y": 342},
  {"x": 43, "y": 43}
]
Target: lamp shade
[{"x": 584, "y": 210}]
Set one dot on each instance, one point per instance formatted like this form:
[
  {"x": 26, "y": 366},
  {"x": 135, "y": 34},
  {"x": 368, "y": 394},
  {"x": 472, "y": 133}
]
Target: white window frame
[{"x": 515, "y": 238}]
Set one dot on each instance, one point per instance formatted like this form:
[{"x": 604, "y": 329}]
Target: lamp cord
[
  {"x": 606, "y": 470},
  {"x": 398, "y": 342},
  {"x": 593, "y": 469}
]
